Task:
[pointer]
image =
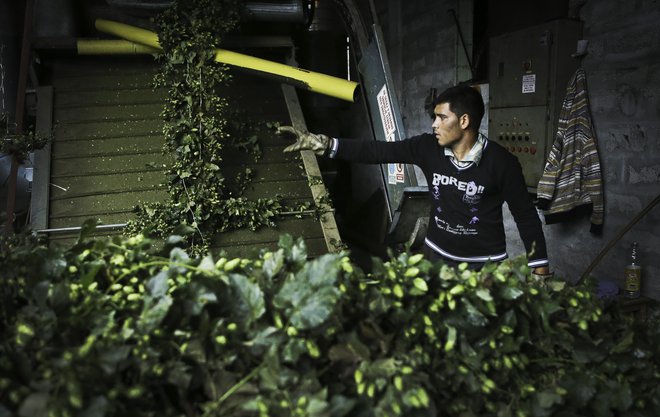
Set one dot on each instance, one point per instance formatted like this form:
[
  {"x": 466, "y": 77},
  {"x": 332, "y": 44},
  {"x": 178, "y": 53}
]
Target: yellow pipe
[
  {"x": 101, "y": 47},
  {"x": 314, "y": 81}
]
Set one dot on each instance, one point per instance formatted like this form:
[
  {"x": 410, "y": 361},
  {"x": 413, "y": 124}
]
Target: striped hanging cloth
[{"x": 571, "y": 184}]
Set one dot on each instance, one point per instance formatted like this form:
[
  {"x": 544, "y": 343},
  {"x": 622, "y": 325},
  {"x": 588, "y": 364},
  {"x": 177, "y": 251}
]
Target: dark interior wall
[
  {"x": 511, "y": 15},
  {"x": 421, "y": 45},
  {"x": 623, "y": 75},
  {"x": 623, "y": 69}
]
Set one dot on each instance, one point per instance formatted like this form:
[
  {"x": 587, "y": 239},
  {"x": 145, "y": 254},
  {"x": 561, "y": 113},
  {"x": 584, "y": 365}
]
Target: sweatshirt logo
[{"x": 472, "y": 190}]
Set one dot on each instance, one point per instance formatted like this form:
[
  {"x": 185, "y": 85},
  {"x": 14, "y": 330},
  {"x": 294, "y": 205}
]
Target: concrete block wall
[
  {"x": 623, "y": 75},
  {"x": 623, "y": 70},
  {"x": 421, "y": 44}
]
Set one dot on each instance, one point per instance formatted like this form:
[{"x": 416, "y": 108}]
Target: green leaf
[
  {"x": 386, "y": 367},
  {"x": 584, "y": 350},
  {"x": 265, "y": 338},
  {"x": 295, "y": 251},
  {"x": 309, "y": 296},
  {"x": 602, "y": 405},
  {"x": 474, "y": 316},
  {"x": 98, "y": 407},
  {"x": 420, "y": 284},
  {"x": 179, "y": 255},
  {"x": 580, "y": 387},
  {"x": 451, "y": 338},
  {"x": 34, "y": 405},
  {"x": 200, "y": 297},
  {"x": 59, "y": 295},
  {"x": 625, "y": 343},
  {"x": 293, "y": 349},
  {"x": 623, "y": 398},
  {"x": 153, "y": 314},
  {"x": 111, "y": 357},
  {"x": 40, "y": 293},
  {"x": 87, "y": 228},
  {"x": 556, "y": 286},
  {"x": 315, "y": 309},
  {"x": 91, "y": 269},
  {"x": 54, "y": 265},
  {"x": 341, "y": 406},
  {"x": 273, "y": 264},
  {"x": 484, "y": 294},
  {"x": 157, "y": 285},
  {"x": 352, "y": 350},
  {"x": 510, "y": 293},
  {"x": 207, "y": 264},
  {"x": 547, "y": 399},
  {"x": 179, "y": 375},
  {"x": 248, "y": 300}
]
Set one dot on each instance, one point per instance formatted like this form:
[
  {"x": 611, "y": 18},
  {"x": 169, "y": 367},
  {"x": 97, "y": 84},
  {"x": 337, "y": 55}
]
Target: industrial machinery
[
  {"x": 387, "y": 202},
  {"x": 528, "y": 73}
]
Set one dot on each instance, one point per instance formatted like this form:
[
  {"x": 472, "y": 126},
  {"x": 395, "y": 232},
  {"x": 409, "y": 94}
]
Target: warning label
[
  {"x": 395, "y": 173},
  {"x": 386, "y": 116},
  {"x": 529, "y": 83}
]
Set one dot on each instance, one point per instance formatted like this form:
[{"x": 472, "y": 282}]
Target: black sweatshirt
[{"x": 465, "y": 222}]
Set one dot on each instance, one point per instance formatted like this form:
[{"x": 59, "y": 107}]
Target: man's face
[{"x": 447, "y": 126}]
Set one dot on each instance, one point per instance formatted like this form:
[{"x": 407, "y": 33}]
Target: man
[{"x": 469, "y": 179}]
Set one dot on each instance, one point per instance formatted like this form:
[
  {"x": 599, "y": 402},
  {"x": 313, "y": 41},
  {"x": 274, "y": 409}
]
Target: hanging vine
[{"x": 197, "y": 128}]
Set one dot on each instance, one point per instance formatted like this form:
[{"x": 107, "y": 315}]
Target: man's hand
[
  {"x": 542, "y": 273},
  {"x": 305, "y": 141}
]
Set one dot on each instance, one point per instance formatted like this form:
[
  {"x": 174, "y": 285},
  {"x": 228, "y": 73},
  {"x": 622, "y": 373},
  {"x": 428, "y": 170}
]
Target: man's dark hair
[{"x": 463, "y": 99}]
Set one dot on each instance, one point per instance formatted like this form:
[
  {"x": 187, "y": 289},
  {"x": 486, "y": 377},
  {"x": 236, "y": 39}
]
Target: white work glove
[{"x": 305, "y": 141}]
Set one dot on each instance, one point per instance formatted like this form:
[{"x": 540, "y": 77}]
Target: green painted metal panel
[
  {"x": 83, "y": 114},
  {"x": 108, "y": 129},
  {"x": 85, "y": 165},
  {"x": 107, "y": 152},
  {"x": 75, "y": 187},
  {"x": 106, "y": 155},
  {"x": 135, "y": 95},
  {"x": 111, "y": 146},
  {"x": 295, "y": 226}
]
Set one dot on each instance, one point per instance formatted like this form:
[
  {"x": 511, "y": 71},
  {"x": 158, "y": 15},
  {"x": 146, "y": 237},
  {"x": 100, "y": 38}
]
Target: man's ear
[{"x": 464, "y": 121}]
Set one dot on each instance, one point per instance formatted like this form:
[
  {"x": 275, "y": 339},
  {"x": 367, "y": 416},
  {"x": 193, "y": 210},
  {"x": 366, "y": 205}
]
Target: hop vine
[{"x": 197, "y": 128}]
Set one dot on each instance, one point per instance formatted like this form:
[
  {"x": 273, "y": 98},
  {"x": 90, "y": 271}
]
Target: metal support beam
[
  {"x": 39, "y": 203},
  {"x": 319, "y": 192}
]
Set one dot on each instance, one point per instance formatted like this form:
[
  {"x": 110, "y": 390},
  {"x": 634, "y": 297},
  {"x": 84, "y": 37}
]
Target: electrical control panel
[{"x": 529, "y": 71}]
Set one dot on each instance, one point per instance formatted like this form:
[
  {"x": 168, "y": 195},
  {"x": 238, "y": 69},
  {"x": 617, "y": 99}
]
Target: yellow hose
[
  {"x": 317, "y": 82},
  {"x": 102, "y": 47}
]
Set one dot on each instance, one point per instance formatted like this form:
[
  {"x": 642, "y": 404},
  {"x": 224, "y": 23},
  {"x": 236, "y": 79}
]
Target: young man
[{"x": 469, "y": 179}]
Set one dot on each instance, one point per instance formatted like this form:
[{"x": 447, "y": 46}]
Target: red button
[{"x": 532, "y": 150}]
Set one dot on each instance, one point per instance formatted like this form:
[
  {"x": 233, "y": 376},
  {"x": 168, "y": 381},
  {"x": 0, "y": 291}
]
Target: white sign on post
[{"x": 395, "y": 171}]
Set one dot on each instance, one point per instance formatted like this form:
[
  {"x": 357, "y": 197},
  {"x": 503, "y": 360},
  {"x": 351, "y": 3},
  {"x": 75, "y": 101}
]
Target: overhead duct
[
  {"x": 111, "y": 47},
  {"x": 290, "y": 11},
  {"x": 313, "y": 81}
]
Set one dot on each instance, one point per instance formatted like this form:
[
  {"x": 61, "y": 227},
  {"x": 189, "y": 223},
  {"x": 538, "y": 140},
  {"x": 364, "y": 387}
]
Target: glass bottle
[{"x": 633, "y": 274}]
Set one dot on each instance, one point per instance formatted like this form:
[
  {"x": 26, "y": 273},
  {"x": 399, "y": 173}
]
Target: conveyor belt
[{"x": 106, "y": 154}]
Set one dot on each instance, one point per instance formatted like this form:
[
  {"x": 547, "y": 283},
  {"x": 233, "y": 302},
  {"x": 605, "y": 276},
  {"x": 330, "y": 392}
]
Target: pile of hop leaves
[{"x": 115, "y": 327}]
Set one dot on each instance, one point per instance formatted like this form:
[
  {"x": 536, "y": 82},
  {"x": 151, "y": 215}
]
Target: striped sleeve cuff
[{"x": 535, "y": 263}]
